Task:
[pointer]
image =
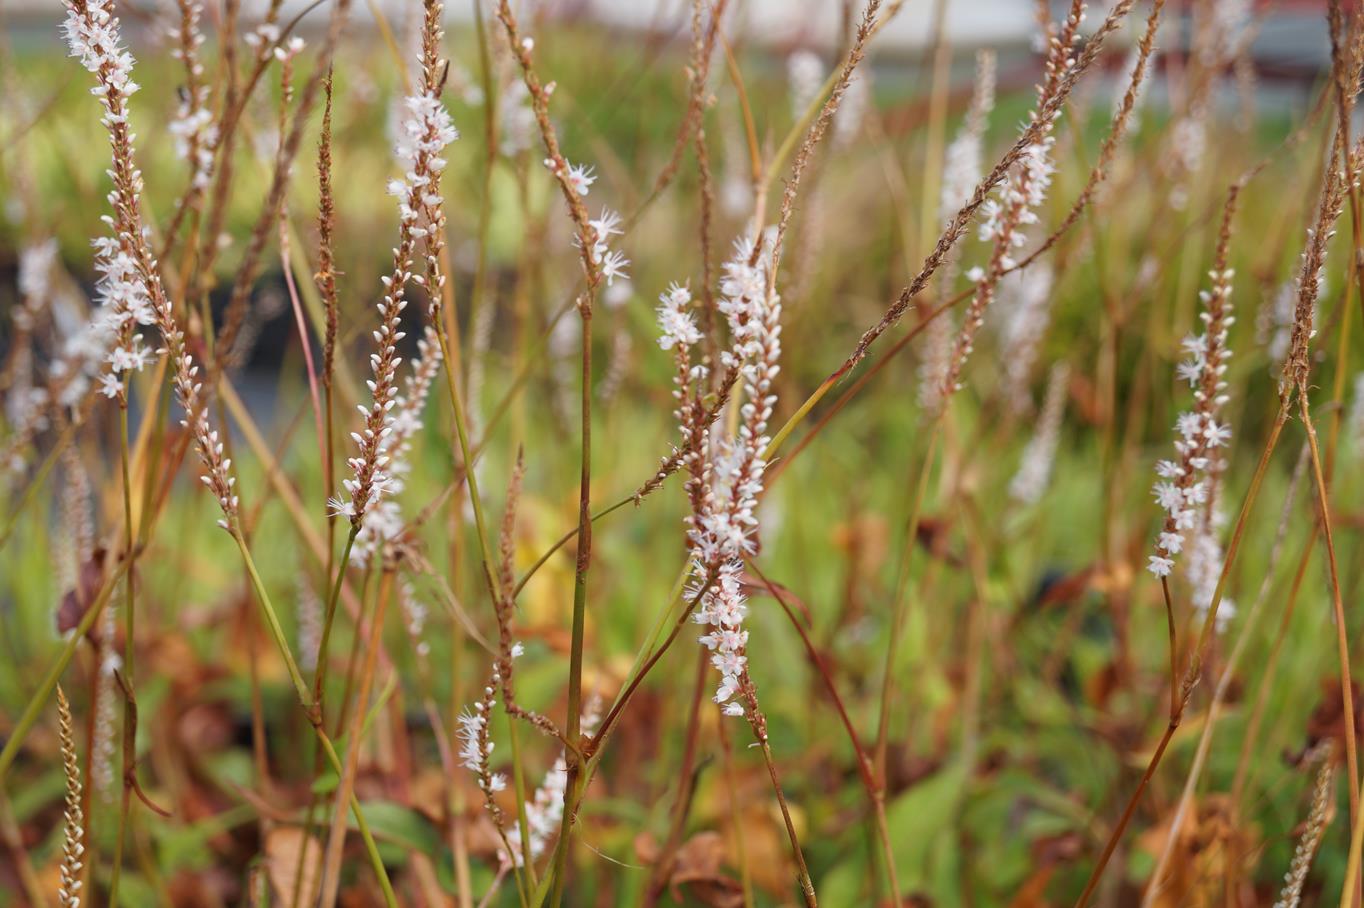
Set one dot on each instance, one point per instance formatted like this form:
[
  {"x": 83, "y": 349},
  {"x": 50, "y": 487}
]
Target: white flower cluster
[
  {"x": 1204, "y": 566},
  {"x": 1039, "y": 457},
  {"x": 192, "y": 126},
  {"x": 36, "y": 263},
  {"x": 195, "y": 136},
  {"x": 123, "y": 305},
  {"x": 92, "y": 31},
  {"x": 383, "y": 521},
  {"x": 103, "y": 743},
  {"x": 805, "y": 75},
  {"x": 852, "y": 111},
  {"x": 1021, "y": 193},
  {"x": 962, "y": 159},
  {"x": 1026, "y": 187},
  {"x": 960, "y": 171},
  {"x": 1230, "y": 20},
  {"x": 936, "y": 362},
  {"x": 516, "y": 118},
  {"x": 580, "y": 177},
  {"x": 476, "y": 745},
  {"x": 1184, "y": 483},
  {"x": 608, "y": 263},
  {"x": 677, "y": 326},
  {"x": 26, "y": 405},
  {"x": 726, "y": 475},
  {"x": 1018, "y": 200},
  {"x": 1025, "y": 297},
  {"x": 611, "y": 263},
  {"x": 94, "y": 37},
  {"x": 263, "y": 37},
  {"x": 425, "y": 132},
  {"x": 309, "y": 623},
  {"x": 722, "y": 609},
  {"x": 414, "y": 615}
]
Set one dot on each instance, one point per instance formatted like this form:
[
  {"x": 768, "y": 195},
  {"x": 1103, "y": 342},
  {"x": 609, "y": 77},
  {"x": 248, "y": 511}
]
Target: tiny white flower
[{"x": 1160, "y": 566}]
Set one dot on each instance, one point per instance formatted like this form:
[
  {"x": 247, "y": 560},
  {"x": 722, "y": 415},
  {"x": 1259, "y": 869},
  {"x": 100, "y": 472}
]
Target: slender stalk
[
  {"x": 900, "y": 605},
  {"x": 519, "y": 785},
  {"x": 129, "y": 649},
  {"x": 1342, "y": 638},
  {"x": 807, "y": 885},
  {"x": 1195, "y": 659},
  {"x": 583, "y": 563},
  {"x": 328, "y": 618},
  {"x": 865, "y": 764},
  {"x": 331, "y": 867},
  {"x": 662, "y": 869},
  {"x": 309, "y": 707},
  {"x": 1224, "y": 684}
]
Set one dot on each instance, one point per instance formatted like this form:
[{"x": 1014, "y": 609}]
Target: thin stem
[
  {"x": 663, "y": 866},
  {"x": 1132, "y": 802},
  {"x": 807, "y": 885},
  {"x": 519, "y": 785},
  {"x": 1194, "y": 666},
  {"x": 1342, "y": 639},
  {"x": 331, "y": 868},
  {"x": 309, "y": 707},
  {"x": 583, "y": 563},
  {"x": 328, "y": 618},
  {"x": 865, "y": 765},
  {"x": 129, "y": 649},
  {"x": 900, "y": 605}
]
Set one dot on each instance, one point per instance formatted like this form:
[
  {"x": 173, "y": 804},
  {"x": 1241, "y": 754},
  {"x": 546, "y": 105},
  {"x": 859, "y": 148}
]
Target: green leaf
[{"x": 399, "y": 825}]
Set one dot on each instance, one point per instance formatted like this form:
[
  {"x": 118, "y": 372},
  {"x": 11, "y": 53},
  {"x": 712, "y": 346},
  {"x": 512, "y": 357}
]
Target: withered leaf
[
  {"x": 697, "y": 867},
  {"x": 293, "y": 859},
  {"x": 76, "y": 602}
]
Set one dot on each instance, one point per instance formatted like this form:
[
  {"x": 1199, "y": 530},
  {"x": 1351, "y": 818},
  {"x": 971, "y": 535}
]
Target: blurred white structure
[
  {"x": 815, "y": 23},
  {"x": 1291, "y": 45},
  {"x": 969, "y": 23}
]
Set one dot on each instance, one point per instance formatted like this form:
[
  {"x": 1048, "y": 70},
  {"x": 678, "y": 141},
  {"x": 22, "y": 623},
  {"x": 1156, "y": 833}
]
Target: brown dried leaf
[
  {"x": 697, "y": 867},
  {"x": 284, "y": 846},
  {"x": 646, "y": 847},
  {"x": 78, "y": 600},
  {"x": 1328, "y": 719},
  {"x": 1208, "y": 851}
]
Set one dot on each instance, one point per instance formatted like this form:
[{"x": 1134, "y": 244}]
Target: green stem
[
  {"x": 519, "y": 784},
  {"x": 575, "y": 658},
  {"x": 898, "y": 613},
  {"x": 329, "y": 616},
  {"x": 305, "y": 698},
  {"x": 480, "y": 526}
]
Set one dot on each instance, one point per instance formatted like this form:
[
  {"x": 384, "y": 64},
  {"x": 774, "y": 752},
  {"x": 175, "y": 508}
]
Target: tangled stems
[
  {"x": 1182, "y": 690},
  {"x": 310, "y": 708}
]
